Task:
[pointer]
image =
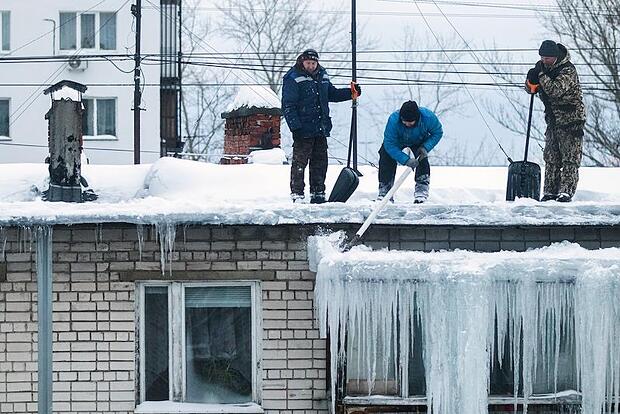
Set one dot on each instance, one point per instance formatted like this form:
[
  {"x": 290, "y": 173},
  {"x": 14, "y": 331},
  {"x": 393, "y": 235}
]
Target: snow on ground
[{"x": 173, "y": 190}]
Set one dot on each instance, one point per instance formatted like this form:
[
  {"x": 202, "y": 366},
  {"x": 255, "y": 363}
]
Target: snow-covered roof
[
  {"x": 254, "y": 97},
  {"x": 181, "y": 191}
]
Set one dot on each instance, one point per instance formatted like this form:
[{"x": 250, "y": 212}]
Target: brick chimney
[{"x": 252, "y": 123}]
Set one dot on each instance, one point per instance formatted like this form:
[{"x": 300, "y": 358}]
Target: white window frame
[
  {"x": 2, "y": 31},
  {"x": 96, "y": 136},
  {"x": 176, "y": 340},
  {"x": 78, "y": 30},
  {"x": 7, "y": 137},
  {"x": 403, "y": 398}
]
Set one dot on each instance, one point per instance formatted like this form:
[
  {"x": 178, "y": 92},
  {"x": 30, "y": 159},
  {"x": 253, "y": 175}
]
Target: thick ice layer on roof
[
  {"x": 173, "y": 191},
  {"x": 547, "y": 305}
]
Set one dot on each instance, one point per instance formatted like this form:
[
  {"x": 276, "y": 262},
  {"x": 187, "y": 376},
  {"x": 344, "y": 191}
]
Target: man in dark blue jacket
[
  {"x": 414, "y": 128},
  {"x": 306, "y": 94}
]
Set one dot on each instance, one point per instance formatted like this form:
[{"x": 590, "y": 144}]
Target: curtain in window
[
  {"x": 218, "y": 344},
  {"x": 156, "y": 375},
  {"x": 68, "y": 30},
  {"x": 88, "y": 117},
  {"x": 6, "y": 30},
  {"x": 87, "y": 31},
  {"x": 107, "y": 31},
  {"x": 106, "y": 117},
  {"x": 4, "y": 118}
]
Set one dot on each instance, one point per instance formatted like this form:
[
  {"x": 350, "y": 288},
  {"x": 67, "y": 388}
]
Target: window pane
[
  {"x": 106, "y": 117},
  {"x": 218, "y": 344},
  {"x": 88, "y": 117},
  {"x": 370, "y": 354},
  {"x": 88, "y": 31},
  {"x": 6, "y": 30},
  {"x": 107, "y": 31},
  {"x": 156, "y": 377},
  {"x": 545, "y": 380},
  {"x": 68, "y": 30},
  {"x": 417, "y": 378},
  {"x": 4, "y": 117}
]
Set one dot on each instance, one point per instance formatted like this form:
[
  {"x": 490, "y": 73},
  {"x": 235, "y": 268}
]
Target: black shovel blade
[
  {"x": 523, "y": 181},
  {"x": 345, "y": 185}
]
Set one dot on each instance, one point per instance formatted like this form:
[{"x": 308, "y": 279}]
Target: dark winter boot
[
  {"x": 297, "y": 198},
  {"x": 564, "y": 198},
  {"x": 317, "y": 198},
  {"x": 549, "y": 197}
]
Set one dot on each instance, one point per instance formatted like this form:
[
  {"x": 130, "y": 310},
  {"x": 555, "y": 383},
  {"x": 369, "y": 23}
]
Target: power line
[
  {"x": 466, "y": 90},
  {"x": 18, "y": 144}
]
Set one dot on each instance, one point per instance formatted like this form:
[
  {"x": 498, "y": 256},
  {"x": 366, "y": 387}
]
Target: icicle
[
  {"x": 166, "y": 233},
  {"x": 3, "y": 241},
  {"x": 140, "y": 231}
]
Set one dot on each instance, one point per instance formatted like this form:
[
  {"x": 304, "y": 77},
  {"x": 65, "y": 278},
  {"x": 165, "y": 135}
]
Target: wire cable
[{"x": 466, "y": 90}]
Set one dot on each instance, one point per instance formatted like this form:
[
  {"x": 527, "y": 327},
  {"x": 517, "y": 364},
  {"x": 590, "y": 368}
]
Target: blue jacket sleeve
[
  {"x": 436, "y": 132},
  {"x": 290, "y": 100},
  {"x": 338, "y": 94},
  {"x": 391, "y": 141}
]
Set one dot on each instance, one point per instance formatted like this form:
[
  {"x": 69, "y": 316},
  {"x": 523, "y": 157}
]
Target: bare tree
[
  {"x": 203, "y": 102},
  {"x": 274, "y": 32}
]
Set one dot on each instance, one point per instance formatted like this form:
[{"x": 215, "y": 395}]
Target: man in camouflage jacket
[{"x": 555, "y": 78}]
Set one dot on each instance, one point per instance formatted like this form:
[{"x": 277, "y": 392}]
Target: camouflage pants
[
  {"x": 313, "y": 150},
  {"x": 562, "y": 155}
]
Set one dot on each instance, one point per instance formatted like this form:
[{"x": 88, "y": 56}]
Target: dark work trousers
[
  {"x": 313, "y": 150},
  {"x": 387, "y": 171}
]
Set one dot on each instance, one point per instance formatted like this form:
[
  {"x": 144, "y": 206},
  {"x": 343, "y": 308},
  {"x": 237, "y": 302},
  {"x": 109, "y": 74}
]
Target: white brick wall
[{"x": 94, "y": 351}]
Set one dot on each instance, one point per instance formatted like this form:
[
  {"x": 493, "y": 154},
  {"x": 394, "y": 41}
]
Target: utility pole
[{"x": 136, "y": 10}]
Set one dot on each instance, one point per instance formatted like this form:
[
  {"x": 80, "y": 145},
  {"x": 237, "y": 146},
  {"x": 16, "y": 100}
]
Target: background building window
[
  {"x": 5, "y": 30},
  {"x": 107, "y": 31},
  {"x": 68, "y": 27},
  {"x": 216, "y": 357},
  {"x": 87, "y": 30},
  {"x": 99, "y": 116},
  {"x": 95, "y": 30},
  {"x": 4, "y": 117}
]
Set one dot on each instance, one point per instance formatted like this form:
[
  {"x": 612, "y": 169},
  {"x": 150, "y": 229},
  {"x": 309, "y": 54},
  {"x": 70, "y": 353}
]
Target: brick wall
[
  {"x": 243, "y": 132},
  {"x": 95, "y": 270}
]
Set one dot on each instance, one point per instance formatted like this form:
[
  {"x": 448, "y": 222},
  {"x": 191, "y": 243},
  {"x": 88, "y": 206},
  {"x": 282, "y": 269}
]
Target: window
[
  {"x": 5, "y": 30},
  {"x": 99, "y": 117},
  {"x": 94, "y": 29},
  {"x": 391, "y": 347},
  {"x": 198, "y": 343},
  {"x": 4, "y": 117}
]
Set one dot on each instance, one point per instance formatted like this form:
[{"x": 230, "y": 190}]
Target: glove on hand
[
  {"x": 358, "y": 88},
  {"x": 422, "y": 153},
  {"x": 412, "y": 162},
  {"x": 533, "y": 75}
]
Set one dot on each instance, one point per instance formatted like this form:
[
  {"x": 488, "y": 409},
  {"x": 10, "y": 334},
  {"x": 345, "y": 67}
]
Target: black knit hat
[
  {"x": 309, "y": 54},
  {"x": 549, "y": 48},
  {"x": 409, "y": 111}
]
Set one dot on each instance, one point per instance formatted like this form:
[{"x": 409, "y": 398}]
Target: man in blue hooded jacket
[
  {"x": 410, "y": 127},
  {"x": 306, "y": 94}
]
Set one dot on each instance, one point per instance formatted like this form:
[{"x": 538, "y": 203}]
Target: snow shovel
[
  {"x": 377, "y": 209},
  {"x": 524, "y": 176},
  {"x": 348, "y": 180}
]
